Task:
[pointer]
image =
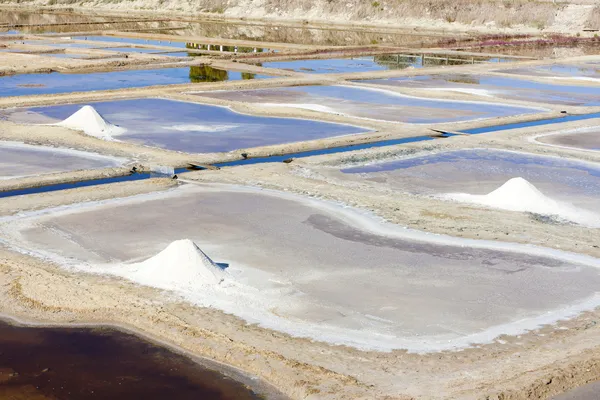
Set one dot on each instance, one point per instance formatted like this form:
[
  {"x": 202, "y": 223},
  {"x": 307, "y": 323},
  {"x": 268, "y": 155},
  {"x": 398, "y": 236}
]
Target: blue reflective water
[
  {"x": 197, "y": 128},
  {"x": 514, "y": 88},
  {"x": 13, "y": 85},
  {"x": 561, "y": 70},
  {"x": 540, "y": 122},
  {"x": 489, "y": 157},
  {"x": 117, "y": 39},
  {"x": 74, "y": 185},
  {"x": 130, "y": 49},
  {"x": 340, "y": 65},
  {"x": 333, "y": 150},
  {"x": 395, "y": 107}
]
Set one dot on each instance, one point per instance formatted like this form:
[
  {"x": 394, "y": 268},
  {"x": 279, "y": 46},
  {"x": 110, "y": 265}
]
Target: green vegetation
[{"x": 206, "y": 73}]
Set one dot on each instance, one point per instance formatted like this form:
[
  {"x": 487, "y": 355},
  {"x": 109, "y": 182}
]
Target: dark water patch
[{"x": 99, "y": 363}]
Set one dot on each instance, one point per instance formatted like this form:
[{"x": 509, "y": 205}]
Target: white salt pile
[
  {"x": 518, "y": 194},
  {"x": 182, "y": 265},
  {"x": 88, "y": 120}
]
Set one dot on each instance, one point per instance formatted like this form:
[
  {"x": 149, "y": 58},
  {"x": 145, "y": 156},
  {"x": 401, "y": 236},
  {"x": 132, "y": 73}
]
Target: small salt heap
[
  {"x": 182, "y": 265},
  {"x": 88, "y": 120},
  {"x": 518, "y": 194}
]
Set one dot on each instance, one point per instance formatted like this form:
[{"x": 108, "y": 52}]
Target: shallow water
[
  {"x": 508, "y": 88},
  {"x": 373, "y": 63},
  {"x": 24, "y": 160},
  {"x": 334, "y": 277},
  {"x": 341, "y": 65},
  {"x": 127, "y": 40},
  {"x": 171, "y": 43},
  {"x": 586, "y": 392},
  {"x": 131, "y": 50},
  {"x": 482, "y": 171},
  {"x": 372, "y": 104},
  {"x": 539, "y": 122},
  {"x": 583, "y": 139},
  {"x": 20, "y": 85},
  {"x": 75, "y": 363},
  {"x": 197, "y": 128},
  {"x": 559, "y": 70}
]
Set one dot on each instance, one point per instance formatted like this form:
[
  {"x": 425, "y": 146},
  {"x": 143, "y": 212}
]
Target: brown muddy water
[{"x": 101, "y": 363}]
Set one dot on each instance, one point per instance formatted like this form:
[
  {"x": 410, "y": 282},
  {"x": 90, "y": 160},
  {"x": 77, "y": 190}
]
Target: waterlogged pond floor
[
  {"x": 585, "y": 139},
  {"x": 191, "y": 127},
  {"x": 31, "y": 84},
  {"x": 315, "y": 269},
  {"x": 493, "y": 86},
  {"x": 481, "y": 171},
  {"x": 18, "y": 159},
  {"x": 75, "y": 363},
  {"x": 371, "y": 63},
  {"x": 588, "y": 72},
  {"x": 371, "y": 104}
]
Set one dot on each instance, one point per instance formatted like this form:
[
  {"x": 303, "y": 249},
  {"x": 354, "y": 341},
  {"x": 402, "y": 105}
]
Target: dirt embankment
[{"x": 488, "y": 15}]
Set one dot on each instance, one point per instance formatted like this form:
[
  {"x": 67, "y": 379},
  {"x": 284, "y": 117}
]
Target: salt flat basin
[
  {"x": 191, "y": 127},
  {"x": 18, "y": 159},
  {"x": 30, "y": 84},
  {"x": 480, "y": 171},
  {"x": 587, "y": 72},
  {"x": 493, "y": 86},
  {"x": 341, "y": 65},
  {"x": 586, "y": 139},
  {"x": 371, "y": 104},
  {"x": 318, "y": 270},
  {"x": 128, "y": 40}
]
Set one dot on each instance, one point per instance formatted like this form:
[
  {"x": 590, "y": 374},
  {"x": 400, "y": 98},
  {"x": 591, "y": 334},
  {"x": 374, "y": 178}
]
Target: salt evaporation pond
[
  {"x": 480, "y": 171},
  {"x": 372, "y": 63},
  {"x": 128, "y": 40},
  {"x": 78, "y": 364},
  {"x": 587, "y": 72},
  {"x": 340, "y": 65},
  {"x": 493, "y": 86},
  {"x": 585, "y": 139},
  {"x": 191, "y": 127},
  {"x": 18, "y": 159},
  {"x": 30, "y": 84},
  {"x": 371, "y": 104},
  {"x": 315, "y": 269}
]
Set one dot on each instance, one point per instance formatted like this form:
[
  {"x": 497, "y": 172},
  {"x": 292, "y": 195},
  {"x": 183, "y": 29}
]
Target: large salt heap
[
  {"x": 518, "y": 194},
  {"x": 88, "y": 120},
  {"x": 182, "y": 265}
]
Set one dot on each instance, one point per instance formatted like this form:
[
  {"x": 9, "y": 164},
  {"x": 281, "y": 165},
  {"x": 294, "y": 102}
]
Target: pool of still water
[
  {"x": 32, "y": 84},
  {"x": 76, "y": 363},
  {"x": 372, "y": 103},
  {"x": 198, "y": 128},
  {"x": 501, "y": 87},
  {"x": 480, "y": 171}
]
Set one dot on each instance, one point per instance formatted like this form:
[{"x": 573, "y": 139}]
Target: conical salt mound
[
  {"x": 88, "y": 120},
  {"x": 520, "y": 194},
  {"x": 182, "y": 264},
  {"x": 517, "y": 194}
]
